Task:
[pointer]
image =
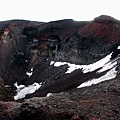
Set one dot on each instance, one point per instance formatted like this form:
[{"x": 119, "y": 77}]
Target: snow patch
[
  {"x": 23, "y": 90},
  {"x": 52, "y": 62},
  {"x": 107, "y": 66},
  {"x": 30, "y": 73},
  {"x": 103, "y": 64},
  {"x": 85, "y": 68},
  {"x": 108, "y": 76},
  {"x": 118, "y": 47},
  {"x": 49, "y": 94},
  {"x": 18, "y": 86},
  {"x": 57, "y": 64}
]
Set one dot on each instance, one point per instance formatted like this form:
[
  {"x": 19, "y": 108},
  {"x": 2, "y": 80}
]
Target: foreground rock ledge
[{"x": 98, "y": 102}]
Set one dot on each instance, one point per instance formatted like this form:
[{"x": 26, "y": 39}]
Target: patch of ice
[
  {"x": 98, "y": 64},
  {"x": 30, "y": 73},
  {"x": 118, "y": 47},
  {"x": 26, "y": 60},
  {"x": 107, "y": 66},
  {"x": 57, "y": 64},
  {"x": 52, "y": 62},
  {"x": 73, "y": 67},
  {"x": 18, "y": 86},
  {"x": 108, "y": 76},
  {"x": 22, "y": 91},
  {"x": 85, "y": 68},
  {"x": 104, "y": 64},
  {"x": 49, "y": 94}
]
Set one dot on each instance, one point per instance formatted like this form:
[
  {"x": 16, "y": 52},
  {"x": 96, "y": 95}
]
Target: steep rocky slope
[
  {"x": 27, "y": 46},
  {"x": 40, "y": 59}
]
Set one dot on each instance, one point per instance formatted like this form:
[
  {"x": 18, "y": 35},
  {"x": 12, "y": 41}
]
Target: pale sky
[{"x": 50, "y": 10}]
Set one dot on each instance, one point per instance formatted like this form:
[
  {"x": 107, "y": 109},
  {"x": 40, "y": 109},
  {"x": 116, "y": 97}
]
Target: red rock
[{"x": 102, "y": 28}]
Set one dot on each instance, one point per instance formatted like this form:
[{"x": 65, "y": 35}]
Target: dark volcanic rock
[
  {"x": 25, "y": 45},
  {"x": 99, "y": 102},
  {"x": 5, "y": 94}
]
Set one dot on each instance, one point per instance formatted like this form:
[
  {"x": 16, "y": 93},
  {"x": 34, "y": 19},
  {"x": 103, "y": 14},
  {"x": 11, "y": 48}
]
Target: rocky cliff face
[{"x": 40, "y": 58}]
